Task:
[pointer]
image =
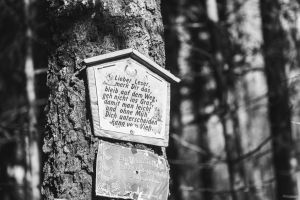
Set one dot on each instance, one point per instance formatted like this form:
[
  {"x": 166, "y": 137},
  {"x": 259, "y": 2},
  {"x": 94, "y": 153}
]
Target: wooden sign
[
  {"x": 126, "y": 173},
  {"x": 130, "y": 97}
]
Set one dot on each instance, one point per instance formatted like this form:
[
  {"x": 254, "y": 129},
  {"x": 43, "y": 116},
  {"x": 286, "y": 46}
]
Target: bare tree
[
  {"x": 278, "y": 51},
  {"x": 249, "y": 104}
]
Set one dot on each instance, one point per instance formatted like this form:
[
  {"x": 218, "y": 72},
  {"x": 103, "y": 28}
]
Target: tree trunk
[
  {"x": 13, "y": 101},
  {"x": 83, "y": 29},
  {"x": 250, "y": 98},
  {"x": 32, "y": 139},
  {"x": 196, "y": 103},
  {"x": 225, "y": 96},
  {"x": 170, "y": 13},
  {"x": 278, "y": 51}
]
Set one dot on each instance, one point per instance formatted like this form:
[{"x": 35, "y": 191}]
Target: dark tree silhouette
[{"x": 278, "y": 49}]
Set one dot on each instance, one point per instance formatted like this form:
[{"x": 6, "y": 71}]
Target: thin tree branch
[
  {"x": 188, "y": 145},
  {"x": 255, "y": 150}
]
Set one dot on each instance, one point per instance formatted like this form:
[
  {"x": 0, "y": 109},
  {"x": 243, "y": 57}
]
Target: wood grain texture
[
  {"x": 120, "y": 170},
  {"x": 133, "y": 138},
  {"x": 93, "y": 99},
  {"x": 167, "y": 129}
]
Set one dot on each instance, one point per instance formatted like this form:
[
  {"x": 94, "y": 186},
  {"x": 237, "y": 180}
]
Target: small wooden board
[
  {"x": 129, "y": 100},
  {"x": 127, "y": 173}
]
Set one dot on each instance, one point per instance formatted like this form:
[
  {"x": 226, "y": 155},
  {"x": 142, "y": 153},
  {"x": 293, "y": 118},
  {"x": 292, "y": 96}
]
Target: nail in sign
[{"x": 130, "y": 97}]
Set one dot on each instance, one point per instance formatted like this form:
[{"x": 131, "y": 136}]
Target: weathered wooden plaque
[
  {"x": 130, "y": 98},
  {"x": 122, "y": 172}
]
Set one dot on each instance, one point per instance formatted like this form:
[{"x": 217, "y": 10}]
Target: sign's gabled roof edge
[{"x": 136, "y": 56}]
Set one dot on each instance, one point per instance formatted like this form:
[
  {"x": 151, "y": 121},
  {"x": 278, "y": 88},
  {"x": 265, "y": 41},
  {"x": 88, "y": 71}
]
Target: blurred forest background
[{"x": 235, "y": 116}]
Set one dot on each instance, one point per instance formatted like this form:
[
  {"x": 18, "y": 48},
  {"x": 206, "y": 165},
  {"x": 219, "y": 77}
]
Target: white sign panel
[
  {"x": 129, "y": 97},
  {"x": 132, "y": 100},
  {"x": 127, "y": 173}
]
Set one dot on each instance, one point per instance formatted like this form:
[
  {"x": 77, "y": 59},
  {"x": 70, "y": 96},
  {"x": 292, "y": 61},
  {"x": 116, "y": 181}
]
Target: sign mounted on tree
[
  {"x": 130, "y": 97},
  {"x": 128, "y": 173}
]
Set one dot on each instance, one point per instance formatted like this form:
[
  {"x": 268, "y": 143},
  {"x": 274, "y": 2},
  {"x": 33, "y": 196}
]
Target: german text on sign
[
  {"x": 129, "y": 97},
  {"x": 132, "y": 99}
]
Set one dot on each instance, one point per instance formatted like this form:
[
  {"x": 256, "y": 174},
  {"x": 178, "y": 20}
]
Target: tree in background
[
  {"x": 279, "y": 57},
  {"x": 170, "y": 12},
  {"x": 188, "y": 27},
  {"x": 235, "y": 60},
  {"x": 245, "y": 36},
  {"x": 22, "y": 90},
  {"x": 13, "y": 101}
]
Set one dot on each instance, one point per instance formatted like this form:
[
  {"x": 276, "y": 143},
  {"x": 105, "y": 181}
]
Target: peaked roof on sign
[{"x": 150, "y": 64}]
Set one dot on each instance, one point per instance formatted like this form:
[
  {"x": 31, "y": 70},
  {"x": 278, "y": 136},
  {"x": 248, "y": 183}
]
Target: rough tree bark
[
  {"x": 83, "y": 29},
  {"x": 278, "y": 54}
]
